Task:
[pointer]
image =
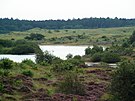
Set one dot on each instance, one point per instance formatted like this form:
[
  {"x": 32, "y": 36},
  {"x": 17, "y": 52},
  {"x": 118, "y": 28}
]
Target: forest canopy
[{"x": 8, "y": 25}]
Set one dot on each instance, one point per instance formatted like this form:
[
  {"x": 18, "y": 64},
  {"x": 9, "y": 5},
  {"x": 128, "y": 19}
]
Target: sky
[{"x": 66, "y": 9}]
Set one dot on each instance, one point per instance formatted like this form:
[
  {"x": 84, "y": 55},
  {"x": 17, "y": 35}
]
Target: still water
[{"x": 57, "y": 50}]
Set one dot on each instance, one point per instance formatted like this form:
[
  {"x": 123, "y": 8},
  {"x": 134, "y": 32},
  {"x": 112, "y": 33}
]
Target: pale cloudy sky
[{"x": 66, "y": 9}]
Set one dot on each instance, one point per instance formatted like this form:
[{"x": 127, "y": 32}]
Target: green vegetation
[
  {"x": 18, "y": 47},
  {"x": 6, "y": 64},
  {"x": 45, "y": 57},
  {"x": 36, "y": 36},
  {"x": 93, "y": 50},
  {"x": 102, "y": 36},
  {"x": 110, "y": 57},
  {"x": 123, "y": 80},
  {"x": 71, "y": 84},
  {"x": 132, "y": 38},
  {"x": 53, "y": 79},
  {"x": 8, "y": 25},
  {"x": 28, "y": 73},
  {"x": 96, "y": 57}
]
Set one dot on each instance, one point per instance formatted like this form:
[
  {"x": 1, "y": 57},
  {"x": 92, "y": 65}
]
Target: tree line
[{"x": 7, "y": 25}]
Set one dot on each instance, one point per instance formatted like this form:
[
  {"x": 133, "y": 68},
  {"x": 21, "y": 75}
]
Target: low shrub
[
  {"x": 6, "y": 63},
  {"x": 109, "y": 57},
  {"x": 22, "y": 49},
  {"x": 71, "y": 85},
  {"x": 62, "y": 67},
  {"x": 28, "y": 73},
  {"x": 4, "y": 72},
  {"x": 29, "y": 62},
  {"x": 96, "y": 57},
  {"x": 1, "y": 87},
  {"x": 69, "y": 56}
]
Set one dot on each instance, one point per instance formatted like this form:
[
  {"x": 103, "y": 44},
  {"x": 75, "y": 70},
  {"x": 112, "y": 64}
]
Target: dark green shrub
[
  {"x": 96, "y": 57},
  {"x": 29, "y": 62},
  {"x": 28, "y": 73},
  {"x": 69, "y": 56},
  {"x": 34, "y": 36},
  {"x": 109, "y": 57},
  {"x": 125, "y": 44},
  {"x": 95, "y": 49},
  {"x": 71, "y": 85},
  {"x": 103, "y": 37},
  {"x": 121, "y": 50},
  {"x": 22, "y": 49},
  {"x": 88, "y": 51},
  {"x": 77, "y": 57},
  {"x": 6, "y": 63},
  {"x": 6, "y": 43},
  {"x": 4, "y": 72},
  {"x": 1, "y": 87},
  {"x": 45, "y": 57},
  {"x": 62, "y": 67},
  {"x": 49, "y": 31},
  {"x": 132, "y": 37},
  {"x": 76, "y": 62},
  {"x": 123, "y": 82}
]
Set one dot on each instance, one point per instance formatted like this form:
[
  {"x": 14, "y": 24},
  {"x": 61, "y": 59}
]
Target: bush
[
  {"x": 96, "y": 57},
  {"x": 88, "y": 51},
  {"x": 95, "y": 49},
  {"x": 132, "y": 37},
  {"x": 109, "y": 57},
  {"x": 1, "y": 87},
  {"x": 28, "y": 73},
  {"x": 121, "y": 50},
  {"x": 29, "y": 62},
  {"x": 36, "y": 36},
  {"x": 77, "y": 57},
  {"x": 71, "y": 85},
  {"x": 4, "y": 73},
  {"x": 76, "y": 62},
  {"x": 69, "y": 56},
  {"x": 45, "y": 57},
  {"x": 123, "y": 82},
  {"x": 6, "y": 43},
  {"x": 22, "y": 49},
  {"x": 6, "y": 63},
  {"x": 62, "y": 67}
]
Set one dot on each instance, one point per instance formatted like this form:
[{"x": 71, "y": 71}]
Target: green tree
[
  {"x": 123, "y": 82},
  {"x": 45, "y": 57},
  {"x": 88, "y": 51},
  {"x": 95, "y": 49}
]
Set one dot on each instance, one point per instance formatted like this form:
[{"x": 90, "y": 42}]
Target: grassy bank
[{"x": 102, "y": 36}]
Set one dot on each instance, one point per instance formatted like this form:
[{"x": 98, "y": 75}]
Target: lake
[{"x": 57, "y": 50}]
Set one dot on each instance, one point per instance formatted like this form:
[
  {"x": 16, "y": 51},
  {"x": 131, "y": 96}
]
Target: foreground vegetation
[
  {"x": 60, "y": 81},
  {"x": 53, "y": 79}
]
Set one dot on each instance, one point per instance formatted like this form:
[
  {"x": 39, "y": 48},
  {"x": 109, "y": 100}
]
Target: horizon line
[{"x": 65, "y": 19}]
